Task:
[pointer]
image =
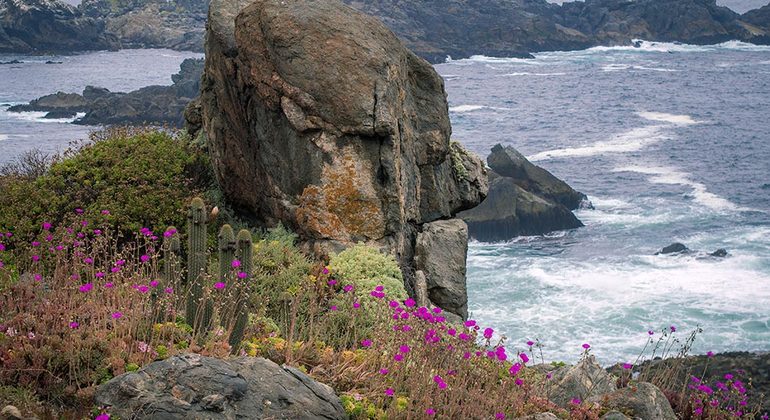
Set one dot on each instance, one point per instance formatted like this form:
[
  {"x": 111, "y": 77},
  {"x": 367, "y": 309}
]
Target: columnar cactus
[
  {"x": 226, "y": 252},
  {"x": 245, "y": 248},
  {"x": 196, "y": 262},
  {"x": 172, "y": 250}
]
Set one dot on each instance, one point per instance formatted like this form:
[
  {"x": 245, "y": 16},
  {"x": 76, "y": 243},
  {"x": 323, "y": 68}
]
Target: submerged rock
[
  {"x": 719, "y": 253},
  {"x": 194, "y": 386},
  {"x": 675, "y": 248},
  {"x": 318, "y": 117}
]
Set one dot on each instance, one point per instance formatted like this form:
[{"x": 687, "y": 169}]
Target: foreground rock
[
  {"x": 318, "y": 117},
  {"x": 49, "y": 26},
  {"x": 523, "y": 199},
  {"x": 441, "y": 252},
  {"x": 152, "y": 104},
  {"x": 194, "y": 386},
  {"x": 644, "y": 400},
  {"x": 584, "y": 381}
]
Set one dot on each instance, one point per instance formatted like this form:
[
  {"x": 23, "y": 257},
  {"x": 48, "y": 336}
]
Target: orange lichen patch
[{"x": 345, "y": 206}]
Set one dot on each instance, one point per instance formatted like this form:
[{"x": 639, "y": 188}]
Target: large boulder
[
  {"x": 511, "y": 211},
  {"x": 644, "y": 400},
  {"x": 442, "y": 248},
  {"x": 318, "y": 117},
  {"x": 194, "y": 386},
  {"x": 508, "y": 162}
]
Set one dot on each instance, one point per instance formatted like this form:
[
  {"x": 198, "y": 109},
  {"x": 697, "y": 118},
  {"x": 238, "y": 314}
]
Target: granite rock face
[
  {"x": 50, "y": 26},
  {"x": 318, "y": 117},
  {"x": 194, "y": 386},
  {"x": 523, "y": 199},
  {"x": 584, "y": 381},
  {"x": 644, "y": 400}
]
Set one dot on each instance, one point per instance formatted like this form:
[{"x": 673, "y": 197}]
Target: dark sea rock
[
  {"x": 152, "y": 104},
  {"x": 38, "y": 26},
  {"x": 193, "y": 386},
  {"x": 719, "y": 253},
  {"x": 523, "y": 199},
  {"x": 318, "y": 117},
  {"x": 509, "y": 163},
  {"x": 11, "y": 62},
  {"x": 675, "y": 248}
]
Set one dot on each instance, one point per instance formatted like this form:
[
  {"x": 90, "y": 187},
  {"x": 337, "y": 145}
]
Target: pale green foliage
[{"x": 366, "y": 268}]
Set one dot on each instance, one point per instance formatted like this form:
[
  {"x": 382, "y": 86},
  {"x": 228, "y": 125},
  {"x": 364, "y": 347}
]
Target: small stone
[{"x": 10, "y": 412}]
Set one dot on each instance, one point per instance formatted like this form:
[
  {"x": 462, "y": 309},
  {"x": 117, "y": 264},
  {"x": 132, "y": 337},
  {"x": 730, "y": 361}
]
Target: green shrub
[
  {"x": 366, "y": 268},
  {"x": 143, "y": 177}
]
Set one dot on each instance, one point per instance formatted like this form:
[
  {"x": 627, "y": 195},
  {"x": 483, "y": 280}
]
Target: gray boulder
[
  {"x": 508, "y": 162},
  {"x": 615, "y": 415},
  {"x": 194, "y": 386},
  {"x": 539, "y": 416},
  {"x": 318, "y": 117},
  {"x": 441, "y": 252},
  {"x": 585, "y": 381},
  {"x": 644, "y": 400},
  {"x": 675, "y": 248},
  {"x": 509, "y": 211}
]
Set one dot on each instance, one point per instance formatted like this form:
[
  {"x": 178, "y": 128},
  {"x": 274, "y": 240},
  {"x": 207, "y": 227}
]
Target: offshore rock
[
  {"x": 194, "y": 386},
  {"x": 523, "y": 199},
  {"x": 318, "y": 117}
]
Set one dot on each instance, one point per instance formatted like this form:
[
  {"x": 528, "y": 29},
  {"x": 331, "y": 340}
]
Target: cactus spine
[
  {"x": 245, "y": 249},
  {"x": 196, "y": 262}
]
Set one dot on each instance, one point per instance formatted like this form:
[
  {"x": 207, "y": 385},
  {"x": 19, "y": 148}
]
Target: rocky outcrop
[
  {"x": 49, "y": 26},
  {"x": 523, "y": 199},
  {"x": 642, "y": 399},
  {"x": 194, "y": 386},
  {"x": 152, "y": 104},
  {"x": 675, "y": 248},
  {"x": 441, "y": 253},
  {"x": 318, "y": 117},
  {"x": 509, "y": 163}
]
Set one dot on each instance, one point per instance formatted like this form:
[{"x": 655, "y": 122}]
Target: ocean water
[
  {"x": 118, "y": 71},
  {"x": 670, "y": 143}
]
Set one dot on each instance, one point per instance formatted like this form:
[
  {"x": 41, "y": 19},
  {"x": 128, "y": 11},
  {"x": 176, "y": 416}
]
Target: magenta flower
[
  {"x": 49, "y": 238},
  {"x": 499, "y": 416},
  {"x": 464, "y": 337},
  {"x": 169, "y": 290},
  {"x": 154, "y": 283},
  {"x": 331, "y": 282},
  {"x": 143, "y": 288},
  {"x": 410, "y": 303},
  {"x": 79, "y": 210},
  {"x": 115, "y": 269},
  {"x": 530, "y": 343},
  {"x": 356, "y": 305},
  {"x": 576, "y": 401},
  {"x": 514, "y": 369},
  {"x": 519, "y": 382},
  {"x": 235, "y": 264},
  {"x": 407, "y": 328},
  {"x": 242, "y": 275},
  {"x": 627, "y": 366},
  {"x": 398, "y": 357},
  {"x": 144, "y": 258},
  {"x": 379, "y": 288},
  {"x": 38, "y": 277},
  {"x": 470, "y": 323},
  {"x": 74, "y": 325},
  {"x": 488, "y": 333},
  {"x": 99, "y": 274},
  {"x": 437, "y": 310},
  {"x": 347, "y": 288},
  {"x": 432, "y": 412},
  {"x": 393, "y": 304},
  {"x": 366, "y": 343},
  {"x": 219, "y": 285},
  {"x": 86, "y": 287},
  {"x": 36, "y": 258},
  {"x": 710, "y": 354},
  {"x": 586, "y": 346},
  {"x": 35, "y": 243},
  {"x": 389, "y": 392},
  {"x": 103, "y": 416},
  {"x": 333, "y": 308},
  {"x": 120, "y": 262},
  {"x": 524, "y": 357},
  {"x": 169, "y": 233},
  {"x": 106, "y": 212},
  {"x": 650, "y": 332},
  {"x": 108, "y": 285},
  {"x": 88, "y": 260},
  {"x": 673, "y": 328},
  {"x": 404, "y": 349},
  {"x": 46, "y": 226},
  {"x": 2, "y": 247},
  {"x": 384, "y": 371},
  {"x": 117, "y": 315}
]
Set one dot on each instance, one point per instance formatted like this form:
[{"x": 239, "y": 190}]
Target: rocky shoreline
[{"x": 458, "y": 29}]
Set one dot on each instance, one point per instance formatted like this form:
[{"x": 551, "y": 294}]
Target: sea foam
[{"x": 630, "y": 141}]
